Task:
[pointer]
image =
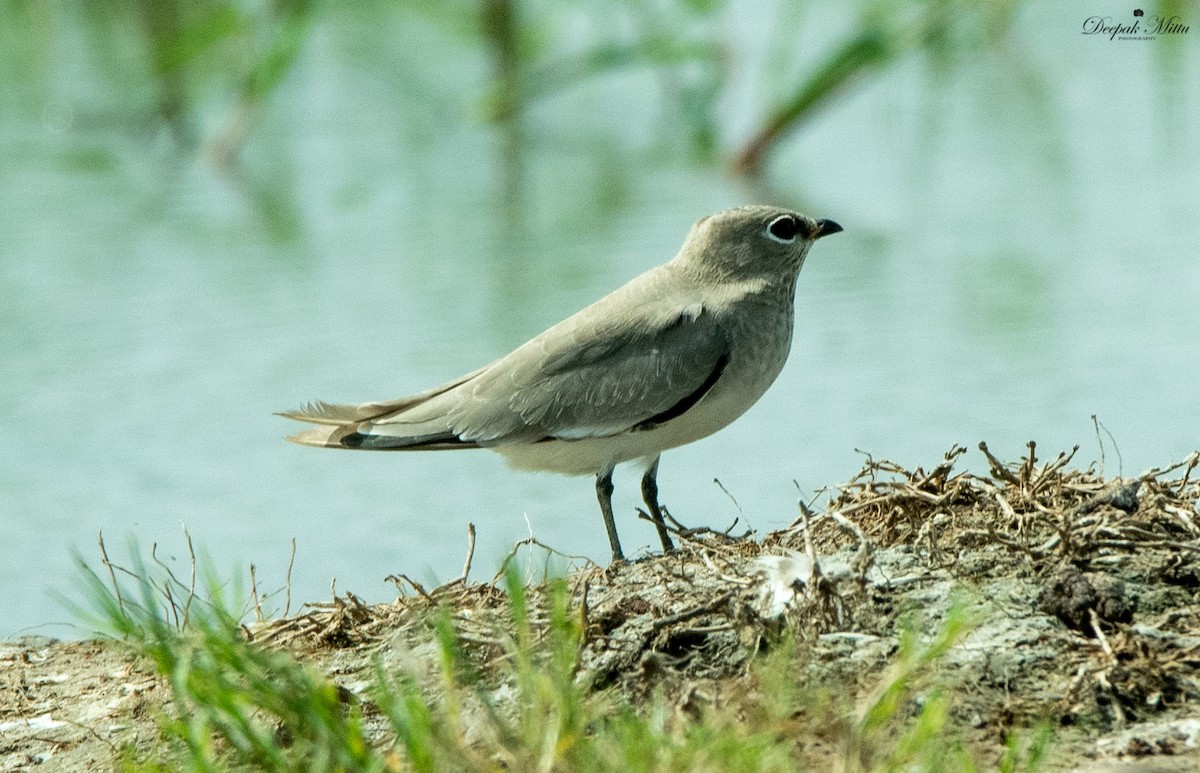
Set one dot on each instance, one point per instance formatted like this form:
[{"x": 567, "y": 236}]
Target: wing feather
[
  {"x": 595, "y": 375},
  {"x": 636, "y": 358}
]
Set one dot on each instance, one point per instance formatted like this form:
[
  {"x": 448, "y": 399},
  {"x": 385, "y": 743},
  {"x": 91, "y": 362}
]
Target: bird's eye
[{"x": 783, "y": 229}]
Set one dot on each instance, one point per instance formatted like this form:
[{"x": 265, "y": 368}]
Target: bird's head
[{"x": 752, "y": 243}]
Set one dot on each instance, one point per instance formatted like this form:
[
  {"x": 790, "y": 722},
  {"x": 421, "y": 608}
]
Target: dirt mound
[{"x": 1078, "y": 597}]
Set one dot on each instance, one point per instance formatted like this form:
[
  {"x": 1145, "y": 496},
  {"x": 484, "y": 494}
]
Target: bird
[{"x": 671, "y": 357}]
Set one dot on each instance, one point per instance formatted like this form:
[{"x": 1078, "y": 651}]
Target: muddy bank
[{"x": 1079, "y": 595}]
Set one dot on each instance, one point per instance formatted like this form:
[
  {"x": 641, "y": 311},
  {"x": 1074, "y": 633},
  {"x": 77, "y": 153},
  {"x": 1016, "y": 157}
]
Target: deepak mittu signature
[{"x": 1142, "y": 27}]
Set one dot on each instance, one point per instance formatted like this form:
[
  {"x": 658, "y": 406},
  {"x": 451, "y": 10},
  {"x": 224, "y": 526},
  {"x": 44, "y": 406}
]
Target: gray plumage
[{"x": 671, "y": 357}]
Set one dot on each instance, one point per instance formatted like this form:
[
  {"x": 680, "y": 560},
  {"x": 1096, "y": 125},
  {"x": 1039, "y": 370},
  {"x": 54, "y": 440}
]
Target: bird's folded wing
[
  {"x": 336, "y": 414},
  {"x": 588, "y": 376},
  {"x": 637, "y": 358}
]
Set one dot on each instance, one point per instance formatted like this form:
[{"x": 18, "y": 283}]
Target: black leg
[
  {"x": 650, "y": 496},
  {"x": 604, "y": 490}
]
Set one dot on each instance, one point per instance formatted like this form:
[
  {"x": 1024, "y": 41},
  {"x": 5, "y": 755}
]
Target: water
[{"x": 1019, "y": 255}]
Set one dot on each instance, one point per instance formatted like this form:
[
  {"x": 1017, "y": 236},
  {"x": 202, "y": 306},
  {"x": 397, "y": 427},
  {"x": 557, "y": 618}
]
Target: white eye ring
[{"x": 783, "y": 229}]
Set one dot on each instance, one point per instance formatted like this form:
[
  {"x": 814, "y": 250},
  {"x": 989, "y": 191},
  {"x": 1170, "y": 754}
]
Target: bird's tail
[
  {"x": 335, "y": 423},
  {"x": 354, "y": 426}
]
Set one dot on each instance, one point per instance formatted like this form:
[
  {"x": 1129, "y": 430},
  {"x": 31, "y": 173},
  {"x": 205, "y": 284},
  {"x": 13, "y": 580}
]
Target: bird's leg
[
  {"x": 604, "y": 490},
  {"x": 650, "y": 497}
]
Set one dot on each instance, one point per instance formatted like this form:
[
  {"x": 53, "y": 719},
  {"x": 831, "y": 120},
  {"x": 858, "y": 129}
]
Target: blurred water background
[{"x": 210, "y": 211}]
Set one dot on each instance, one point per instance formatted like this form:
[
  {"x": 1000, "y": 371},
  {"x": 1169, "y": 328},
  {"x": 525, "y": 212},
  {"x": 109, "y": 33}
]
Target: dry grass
[{"x": 916, "y": 613}]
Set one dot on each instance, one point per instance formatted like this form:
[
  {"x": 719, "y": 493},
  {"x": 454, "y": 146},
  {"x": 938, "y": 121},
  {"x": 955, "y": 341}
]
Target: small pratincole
[{"x": 671, "y": 357}]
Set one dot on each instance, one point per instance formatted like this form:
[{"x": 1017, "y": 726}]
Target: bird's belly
[{"x": 733, "y": 394}]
